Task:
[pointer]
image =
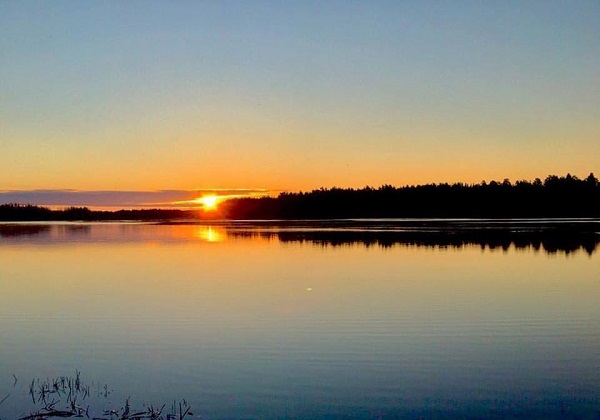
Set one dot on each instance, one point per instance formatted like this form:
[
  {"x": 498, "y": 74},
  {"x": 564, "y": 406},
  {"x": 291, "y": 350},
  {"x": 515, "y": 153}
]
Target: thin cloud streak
[{"x": 122, "y": 199}]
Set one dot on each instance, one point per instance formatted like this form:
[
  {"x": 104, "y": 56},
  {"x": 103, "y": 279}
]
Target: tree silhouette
[
  {"x": 556, "y": 196},
  {"x": 560, "y": 197}
]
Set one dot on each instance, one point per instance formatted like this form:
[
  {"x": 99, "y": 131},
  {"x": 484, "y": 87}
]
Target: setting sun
[{"x": 209, "y": 202}]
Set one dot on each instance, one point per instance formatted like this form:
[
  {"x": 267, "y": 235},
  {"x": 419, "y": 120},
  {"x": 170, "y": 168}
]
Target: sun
[{"x": 209, "y": 202}]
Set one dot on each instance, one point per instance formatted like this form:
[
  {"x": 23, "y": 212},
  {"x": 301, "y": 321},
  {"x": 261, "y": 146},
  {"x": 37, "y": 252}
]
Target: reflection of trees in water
[
  {"x": 44, "y": 230},
  {"x": 551, "y": 241},
  {"x": 549, "y": 236},
  {"x": 24, "y": 230},
  {"x": 75, "y": 230}
]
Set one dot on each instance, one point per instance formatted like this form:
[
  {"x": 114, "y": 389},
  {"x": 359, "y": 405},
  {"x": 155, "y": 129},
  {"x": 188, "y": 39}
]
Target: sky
[{"x": 154, "y": 96}]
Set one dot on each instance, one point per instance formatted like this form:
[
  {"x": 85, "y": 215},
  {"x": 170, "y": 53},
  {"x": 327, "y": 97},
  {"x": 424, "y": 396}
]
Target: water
[{"x": 302, "y": 321}]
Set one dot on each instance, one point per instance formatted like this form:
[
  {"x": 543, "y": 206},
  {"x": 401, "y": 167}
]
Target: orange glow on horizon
[
  {"x": 209, "y": 202},
  {"x": 212, "y": 201}
]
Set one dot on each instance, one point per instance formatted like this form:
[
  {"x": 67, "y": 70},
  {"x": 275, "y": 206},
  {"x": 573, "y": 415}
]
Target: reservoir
[{"x": 341, "y": 320}]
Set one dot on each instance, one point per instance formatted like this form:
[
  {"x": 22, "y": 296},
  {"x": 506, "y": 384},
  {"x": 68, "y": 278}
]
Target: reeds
[
  {"x": 4, "y": 399},
  {"x": 68, "y": 396}
]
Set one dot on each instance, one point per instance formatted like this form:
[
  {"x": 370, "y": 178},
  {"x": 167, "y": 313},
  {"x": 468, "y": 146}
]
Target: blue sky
[{"x": 158, "y": 95}]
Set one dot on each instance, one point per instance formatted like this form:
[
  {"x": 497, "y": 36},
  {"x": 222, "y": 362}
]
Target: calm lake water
[{"x": 278, "y": 321}]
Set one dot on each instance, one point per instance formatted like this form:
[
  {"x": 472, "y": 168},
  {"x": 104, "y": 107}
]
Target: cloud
[{"x": 120, "y": 199}]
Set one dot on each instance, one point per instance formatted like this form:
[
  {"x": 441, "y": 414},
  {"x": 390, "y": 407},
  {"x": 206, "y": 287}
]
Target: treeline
[
  {"x": 20, "y": 212},
  {"x": 555, "y": 196}
]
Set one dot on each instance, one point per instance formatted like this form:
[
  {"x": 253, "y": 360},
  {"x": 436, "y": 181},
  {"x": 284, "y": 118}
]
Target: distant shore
[{"x": 555, "y": 197}]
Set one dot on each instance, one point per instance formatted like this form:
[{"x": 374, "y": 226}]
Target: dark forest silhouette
[
  {"x": 566, "y": 196},
  {"x": 555, "y": 197},
  {"x": 28, "y": 212}
]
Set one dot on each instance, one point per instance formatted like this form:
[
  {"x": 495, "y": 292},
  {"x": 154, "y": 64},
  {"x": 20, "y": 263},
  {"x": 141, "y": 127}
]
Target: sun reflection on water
[{"x": 210, "y": 234}]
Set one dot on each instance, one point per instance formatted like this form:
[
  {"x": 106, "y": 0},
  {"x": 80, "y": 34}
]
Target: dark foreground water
[{"x": 347, "y": 320}]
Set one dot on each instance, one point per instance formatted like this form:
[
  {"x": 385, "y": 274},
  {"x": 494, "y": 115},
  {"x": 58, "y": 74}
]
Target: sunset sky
[{"x": 146, "y": 96}]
